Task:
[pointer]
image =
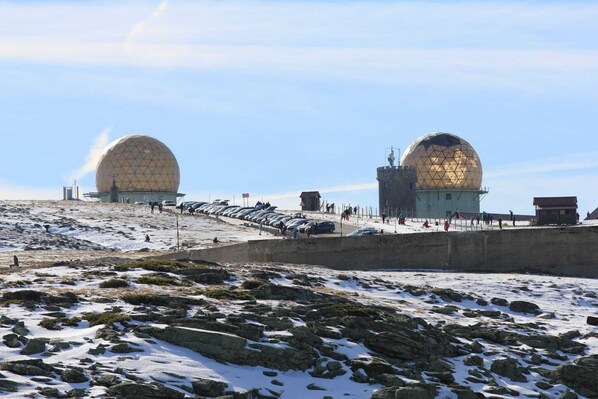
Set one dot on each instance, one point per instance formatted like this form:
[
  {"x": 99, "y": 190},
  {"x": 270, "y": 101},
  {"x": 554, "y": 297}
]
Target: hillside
[{"x": 114, "y": 324}]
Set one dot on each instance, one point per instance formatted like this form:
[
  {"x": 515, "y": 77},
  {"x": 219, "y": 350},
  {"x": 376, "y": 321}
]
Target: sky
[{"x": 272, "y": 98}]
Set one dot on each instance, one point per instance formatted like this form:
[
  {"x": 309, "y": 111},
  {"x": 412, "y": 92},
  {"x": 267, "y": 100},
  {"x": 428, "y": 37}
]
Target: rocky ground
[{"x": 130, "y": 327}]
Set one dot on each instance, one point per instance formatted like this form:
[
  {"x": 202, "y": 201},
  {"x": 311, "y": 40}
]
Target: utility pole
[{"x": 178, "y": 245}]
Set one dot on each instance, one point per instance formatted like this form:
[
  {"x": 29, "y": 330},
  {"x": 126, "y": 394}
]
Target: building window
[
  {"x": 449, "y": 213},
  {"x": 448, "y": 196},
  {"x": 410, "y": 186},
  {"x": 386, "y": 185},
  {"x": 385, "y": 202}
]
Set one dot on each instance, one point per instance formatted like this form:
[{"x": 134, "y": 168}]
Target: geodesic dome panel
[
  {"x": 444, "y": 162},
  {"x": 138, "y": 163}
]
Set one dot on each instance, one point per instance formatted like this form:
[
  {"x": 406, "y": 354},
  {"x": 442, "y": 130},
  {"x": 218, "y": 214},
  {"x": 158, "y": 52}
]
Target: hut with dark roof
[{"x": 556, "y": 210}]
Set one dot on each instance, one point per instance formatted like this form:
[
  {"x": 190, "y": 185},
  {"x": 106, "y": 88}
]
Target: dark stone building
[
  {"x": 310, "y": 201},
  {"x": 396, "y": 189},
  {"x": 593, "y": 215},
  {"x": 556, "y": 210}
]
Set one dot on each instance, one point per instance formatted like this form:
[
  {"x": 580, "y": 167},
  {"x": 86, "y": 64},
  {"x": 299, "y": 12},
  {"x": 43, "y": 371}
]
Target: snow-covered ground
[
  {"x": 92, "y": 228},
  {"x": 415, "y": 225},
  {"x": 96, "y": 229}
]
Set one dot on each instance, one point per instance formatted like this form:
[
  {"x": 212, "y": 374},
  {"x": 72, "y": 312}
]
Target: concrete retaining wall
[{"x": 570, "y": 251}]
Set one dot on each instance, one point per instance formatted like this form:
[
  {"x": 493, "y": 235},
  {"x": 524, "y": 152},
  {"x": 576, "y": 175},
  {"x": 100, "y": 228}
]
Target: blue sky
[{"x": 274, "y": 98}]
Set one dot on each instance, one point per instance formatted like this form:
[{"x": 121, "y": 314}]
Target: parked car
[
  {"x": 303, "y": 227},
  {"x": 220, "y": 209},
  {"x": 231, "y": 210},
  {"x": 198, "y": 204},
  {"x": 283, "y": 220},
  {"x": 202, "y": 207},
  {"x": 168, "y": 203},
  {"x": 365, "y": 231},
  {"x": 225, "y": 208},
  {"x": 258, "y": 215},
  {"x": 325, "y": 227},
  {"x": 274, "y": 221},
  {"x": 265, "y": 217},
  {"x": 243, "y": 214},
  {"x": 294, "y": 225}
]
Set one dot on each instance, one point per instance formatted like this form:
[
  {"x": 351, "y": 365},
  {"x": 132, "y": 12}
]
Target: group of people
[
  {"x": 262, "y": 205},
  {"x": 401, "y": 218},
  {"x": 153, "y": 205},
  {"x": 486, "y": 219}
]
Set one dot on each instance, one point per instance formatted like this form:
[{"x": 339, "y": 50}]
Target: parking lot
[{"x": 270, "y": 221}]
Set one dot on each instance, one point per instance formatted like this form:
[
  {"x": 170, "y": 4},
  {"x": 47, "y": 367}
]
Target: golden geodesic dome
[
  {"x": 444, "y": 161},
  {"x": 138, "y": 163}
]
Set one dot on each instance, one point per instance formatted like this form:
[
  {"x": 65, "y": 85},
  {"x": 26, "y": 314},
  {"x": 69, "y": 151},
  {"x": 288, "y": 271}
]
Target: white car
[{"x": 365, "y": 231}]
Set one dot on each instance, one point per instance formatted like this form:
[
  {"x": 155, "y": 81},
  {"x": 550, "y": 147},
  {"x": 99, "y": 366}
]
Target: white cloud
[
  {"x": 568, "y": 175},
  {"x": 571, "y": 162},
  {"x": 141, "y": 27},
  {"x": 484, "y": 44}
]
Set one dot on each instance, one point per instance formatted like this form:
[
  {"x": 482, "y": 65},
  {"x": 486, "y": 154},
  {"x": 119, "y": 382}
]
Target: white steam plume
[{"x": 94, "y": 154}]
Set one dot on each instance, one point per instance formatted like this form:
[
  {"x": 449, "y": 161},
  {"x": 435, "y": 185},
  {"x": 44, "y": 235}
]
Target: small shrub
[
  {"x": 50, "y": 324},
  {"x": 162, "y": 280},
  {"x": 153, "y": 265},
  {"x": 72, "y": 322},
  {"x": 251, "y": 284},
  {"x": 147, "y": 299},
  {"x": 95, "y": 319},
  {"x": 222, "y": 293},
  {"x": 356, "y": 310},
  {"x": 114, "y": 283},
  {"x": 57, "y": 323}
]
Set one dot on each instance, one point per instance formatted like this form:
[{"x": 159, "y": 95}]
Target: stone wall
[
  {"x": 396, "y": 189},
  {"x": 569, "y": 251}
]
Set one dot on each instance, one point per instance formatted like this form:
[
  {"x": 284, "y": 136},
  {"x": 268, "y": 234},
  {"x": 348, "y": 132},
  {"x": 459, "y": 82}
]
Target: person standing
[
  {"x": 500, "y": 223},
  {"x": 446, "y": 225},
  {"x": 281, "y": 227},
  {"x": 160, "y": 207},
  {"x": 383, "y": 217},
  {"x": 152, "y": 206}
]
